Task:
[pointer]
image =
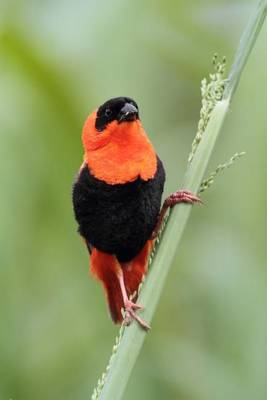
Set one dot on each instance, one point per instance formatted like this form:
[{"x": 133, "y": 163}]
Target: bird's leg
[
  {"x": 130, "y": 307},
  {"x": 181, "y": 196}
]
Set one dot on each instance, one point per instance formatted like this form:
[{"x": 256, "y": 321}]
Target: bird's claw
[
  {"x": 130, "y": 304},
  {"x": 183, "y": 196},
  {"x": 130, "y": 315}
]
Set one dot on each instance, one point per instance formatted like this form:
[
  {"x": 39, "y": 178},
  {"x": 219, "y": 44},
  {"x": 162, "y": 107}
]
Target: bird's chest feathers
[{"x": 126, "y": 155}]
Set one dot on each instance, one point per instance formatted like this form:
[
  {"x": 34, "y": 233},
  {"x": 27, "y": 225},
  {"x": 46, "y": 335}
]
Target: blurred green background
[{"x": 59, "y": 61}]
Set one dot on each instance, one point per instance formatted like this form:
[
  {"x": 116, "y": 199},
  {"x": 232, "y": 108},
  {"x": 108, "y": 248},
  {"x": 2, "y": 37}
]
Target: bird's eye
[{"x": 108, "y": 112}]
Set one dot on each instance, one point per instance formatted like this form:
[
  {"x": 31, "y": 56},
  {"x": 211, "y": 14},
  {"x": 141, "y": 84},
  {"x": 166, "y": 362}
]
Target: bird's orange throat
[{"x": 119, "y": 154}]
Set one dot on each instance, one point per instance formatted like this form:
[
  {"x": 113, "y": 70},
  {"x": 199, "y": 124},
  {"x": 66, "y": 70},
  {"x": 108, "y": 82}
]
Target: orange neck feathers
[{"x": 119, "y": 154}]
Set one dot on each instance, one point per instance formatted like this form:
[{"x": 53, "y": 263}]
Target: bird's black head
[{"x": 120, "y": 109}]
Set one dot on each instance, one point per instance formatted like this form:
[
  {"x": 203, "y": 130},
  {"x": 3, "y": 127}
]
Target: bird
[{"x": 116, "y": 197}]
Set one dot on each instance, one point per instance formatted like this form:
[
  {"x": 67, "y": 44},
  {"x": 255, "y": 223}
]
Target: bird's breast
[{"x": 126, "y": 155}]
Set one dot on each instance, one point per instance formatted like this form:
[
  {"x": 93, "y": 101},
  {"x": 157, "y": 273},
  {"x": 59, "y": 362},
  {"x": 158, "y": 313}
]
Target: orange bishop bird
[{"x": 117, "y": 202}]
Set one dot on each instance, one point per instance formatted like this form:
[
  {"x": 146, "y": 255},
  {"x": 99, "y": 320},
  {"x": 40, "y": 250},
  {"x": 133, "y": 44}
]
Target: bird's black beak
[{"x": 128, "y": 113}]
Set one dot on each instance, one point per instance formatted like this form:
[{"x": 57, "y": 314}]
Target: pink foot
[
  {"x": 182, "y": 196},
  {"x": 130, "y": 314},
  {"x": 131, "y": 307},
  {"x": 131, "y": 304}
]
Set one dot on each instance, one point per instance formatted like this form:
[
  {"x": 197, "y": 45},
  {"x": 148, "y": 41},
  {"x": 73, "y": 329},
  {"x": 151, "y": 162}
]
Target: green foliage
[
  {"x": 211, "y": 93},
  {"x": 220, "y": 168}
]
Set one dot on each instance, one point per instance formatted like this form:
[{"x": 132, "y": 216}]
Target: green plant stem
[
  {"x": 246, "y": 44},
  {"x": 133, "y": 337}
]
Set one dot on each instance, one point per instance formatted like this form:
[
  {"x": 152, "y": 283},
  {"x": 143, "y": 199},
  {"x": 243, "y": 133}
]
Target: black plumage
[
  {"x": 112, "y": 110},
  {"x": 117, "y": 219}
]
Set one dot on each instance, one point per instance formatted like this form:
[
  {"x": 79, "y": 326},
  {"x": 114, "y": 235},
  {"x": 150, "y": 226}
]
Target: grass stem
[{"x": 127, "y": 351}]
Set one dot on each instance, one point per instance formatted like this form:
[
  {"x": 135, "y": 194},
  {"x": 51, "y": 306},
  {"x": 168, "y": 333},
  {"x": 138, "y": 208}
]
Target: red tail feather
[
  {"x": 106, "y": 268},
  {"x": 134, "y": 270}
]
